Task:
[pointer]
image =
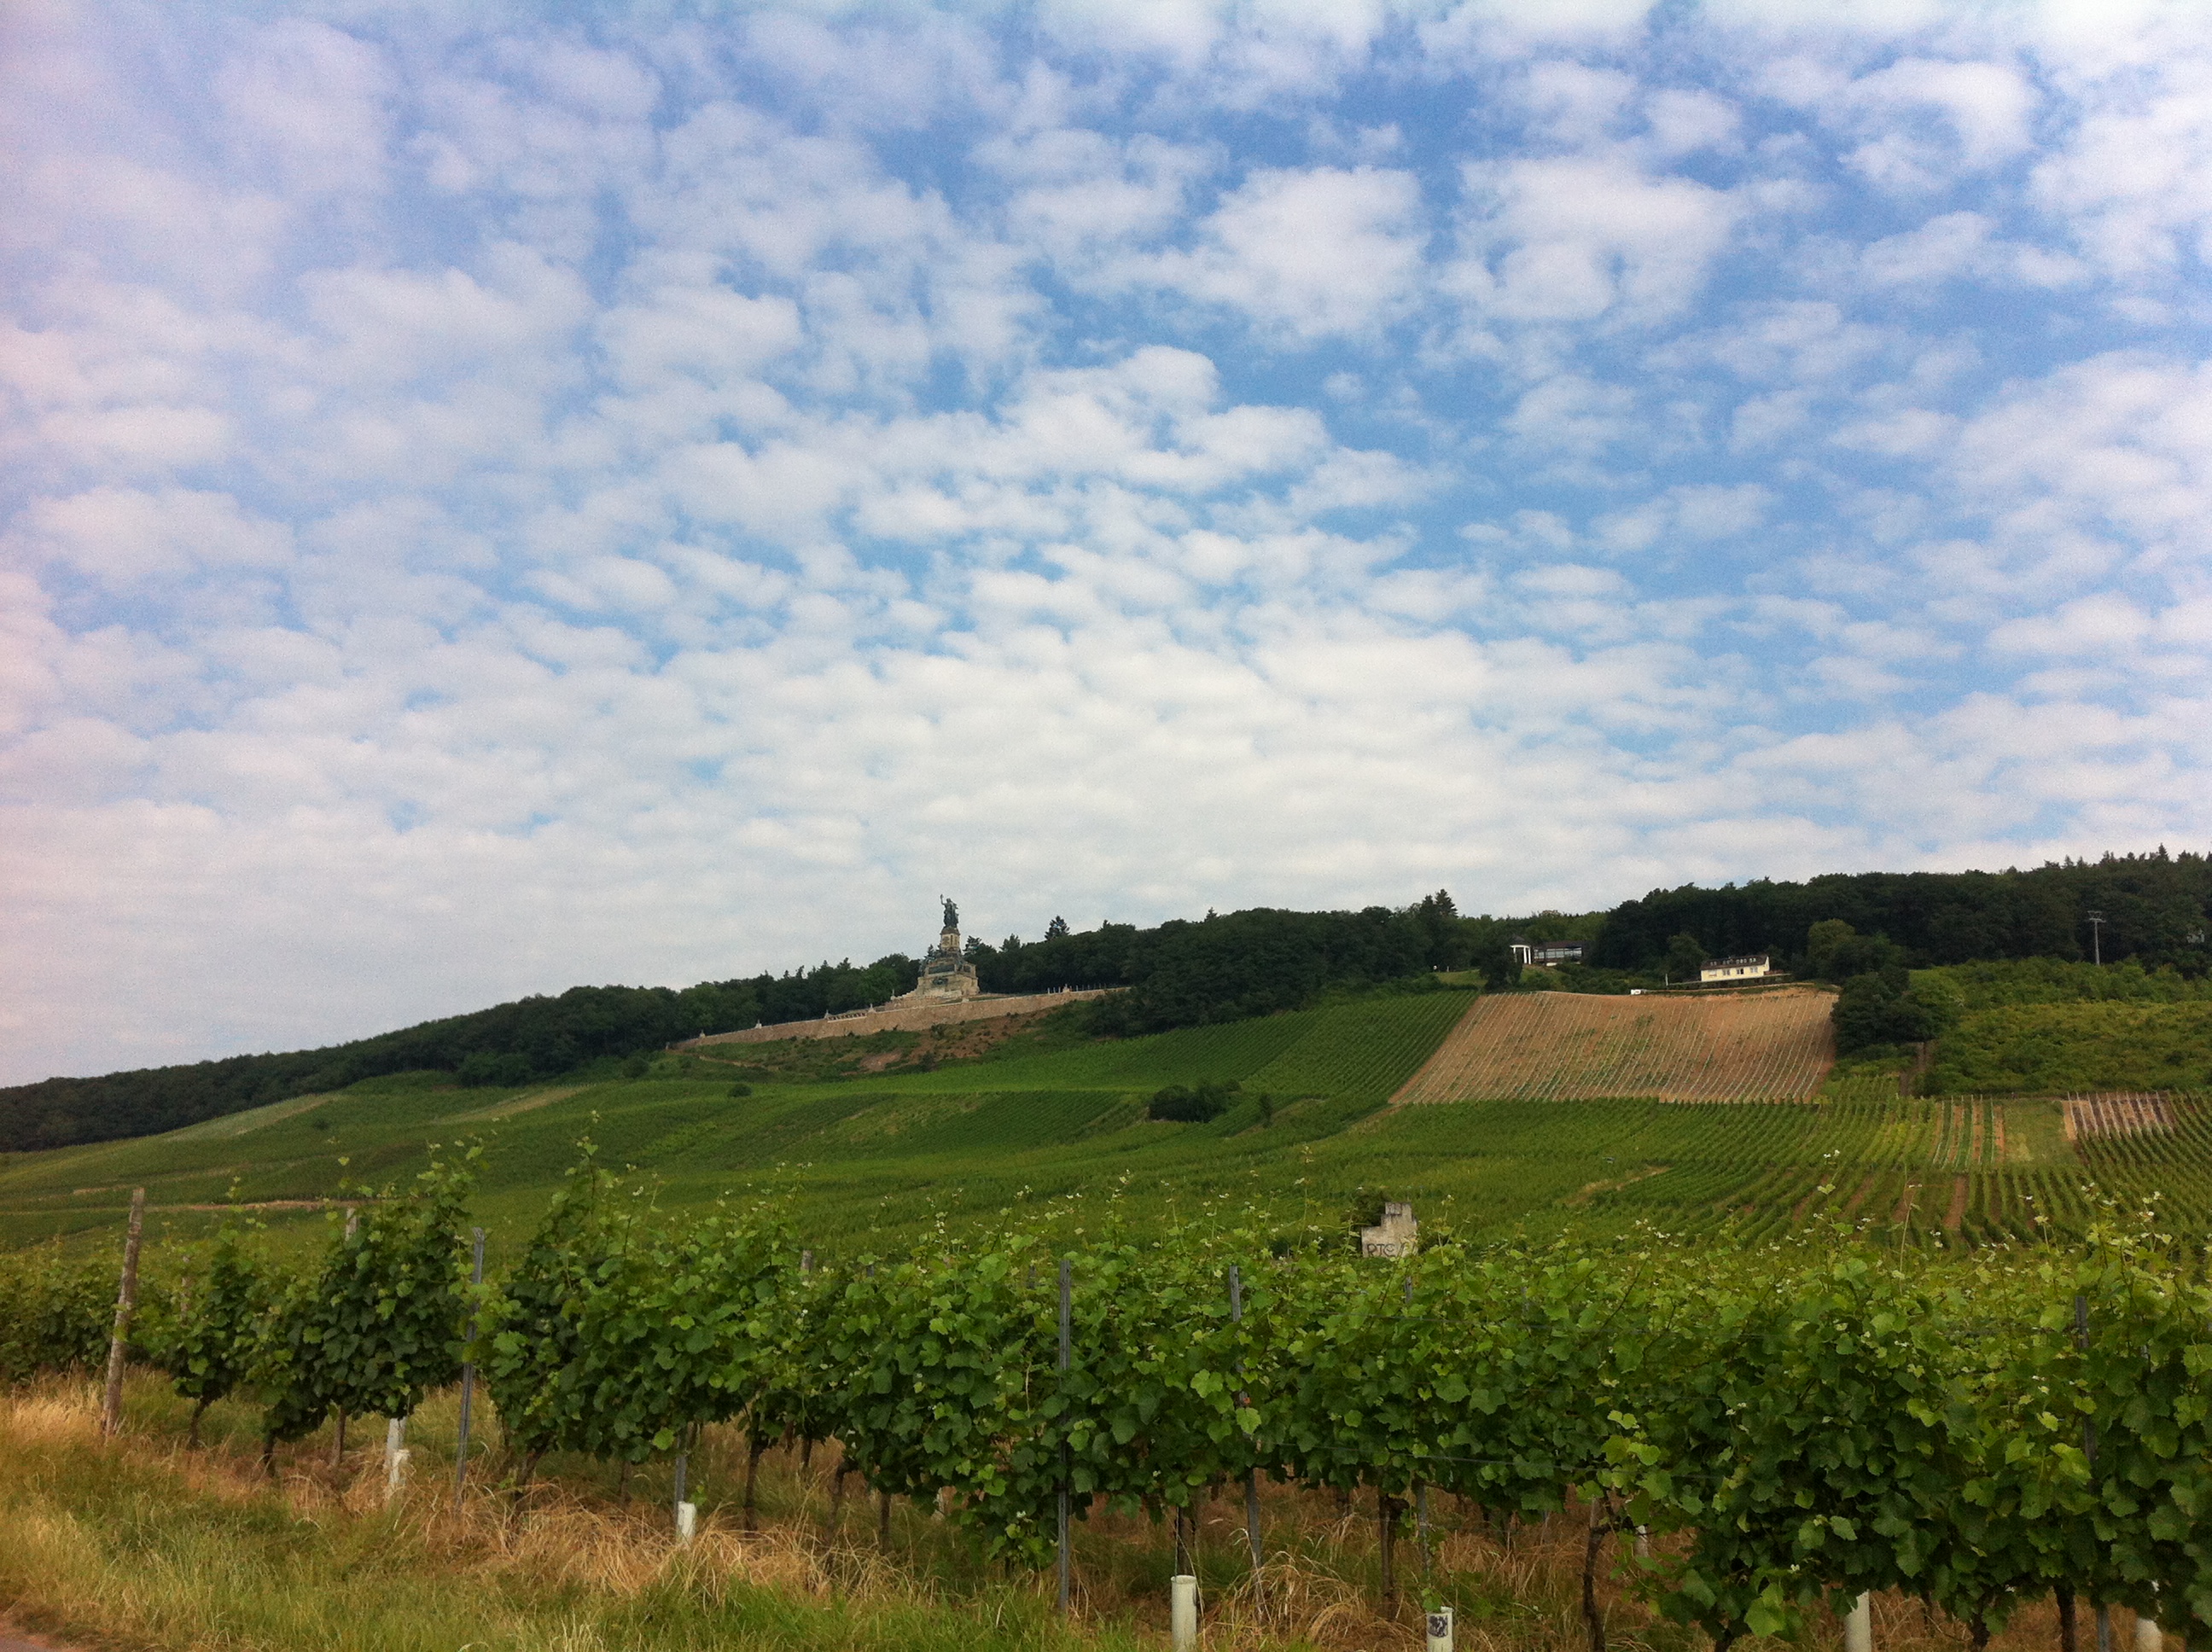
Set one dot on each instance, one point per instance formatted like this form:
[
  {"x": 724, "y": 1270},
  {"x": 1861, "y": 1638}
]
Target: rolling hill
[{"x": 868, "y": 1162}]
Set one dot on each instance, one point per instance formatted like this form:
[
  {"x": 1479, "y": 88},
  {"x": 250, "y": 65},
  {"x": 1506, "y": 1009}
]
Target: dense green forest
[
  {"x": 1231, "y": 966},
  {"x": 507, "y": 1044},
  {"x": 1226, "y": 967},
  {"x": 2153, "y": 906}
]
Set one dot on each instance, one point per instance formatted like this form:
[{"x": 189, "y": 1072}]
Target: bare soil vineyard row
[{"x": 2116, "y": 1115}]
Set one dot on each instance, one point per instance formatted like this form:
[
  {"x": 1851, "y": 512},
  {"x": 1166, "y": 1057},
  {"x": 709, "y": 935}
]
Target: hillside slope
[
  {"x": 873, "y": 1153},
  {"x": 867, "y": 1163},
  {"x": 1773, "y": 1046},
  {"x": 2055, "y": 1047}
]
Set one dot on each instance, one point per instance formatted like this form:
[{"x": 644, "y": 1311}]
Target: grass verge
[{"x": 138, "y": 1543}]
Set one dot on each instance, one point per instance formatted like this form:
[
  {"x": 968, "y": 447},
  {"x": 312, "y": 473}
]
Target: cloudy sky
[{"x": 493, "y": 503}]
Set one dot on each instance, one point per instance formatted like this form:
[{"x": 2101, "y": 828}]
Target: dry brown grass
[{"x": 571, "y": 1538}]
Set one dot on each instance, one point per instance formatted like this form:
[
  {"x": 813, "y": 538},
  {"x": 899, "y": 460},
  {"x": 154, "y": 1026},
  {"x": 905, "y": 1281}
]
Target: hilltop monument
[{"x": 946, "y": 976}]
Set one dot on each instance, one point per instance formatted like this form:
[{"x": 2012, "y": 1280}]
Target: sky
[{"x": 494, "y": 498}]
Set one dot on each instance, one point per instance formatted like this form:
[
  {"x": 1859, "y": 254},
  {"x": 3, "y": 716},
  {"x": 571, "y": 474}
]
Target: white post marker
[
  {"x": 687, "y": 1522},
  {"x": 395, "y": 1438},
  {"x": 395, "y": 1473},
  {"x": 1183, "y": 1612},
  {"x": 1858, "y": 1627},
  {"x": 2148, "y": 1638},
  {"x": 1440, "y": 1629}
]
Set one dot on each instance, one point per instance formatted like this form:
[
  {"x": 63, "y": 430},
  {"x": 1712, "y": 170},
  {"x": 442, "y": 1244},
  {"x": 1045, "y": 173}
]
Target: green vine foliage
[
  {"x": 615, "y": 1335},
  {"x": 380, "y": 1325},
  {"x": 1163, "y": 1394},
  {"x": 1807, "y": 1423},
  {"x": 2138, "y": 1512},
  {"x": 1803, "y": 1435},
  {"x": 208, "y": 1328},
  {"x": 682, "y": 1327},
  {"x": 941, "y": 1372},
  {"x": 56, "y": 1311},
  {"x": 530, "y": 1333},
  {"x": 1495, "y": 1376}
]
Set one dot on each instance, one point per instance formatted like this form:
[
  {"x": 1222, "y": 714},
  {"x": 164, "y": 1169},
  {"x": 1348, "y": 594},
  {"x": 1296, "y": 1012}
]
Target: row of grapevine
[
  {"x": 1796, "y": 1425},
  {"x": 1365, "y": 1051},
  {"x": 1564, "y": 1046}
]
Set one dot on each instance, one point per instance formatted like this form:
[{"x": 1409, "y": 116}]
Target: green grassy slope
[
  {"x": 2056, "y": 1047},
  {"x": 871, "y": 1162},
  {"x": 855, "y": 1155}
]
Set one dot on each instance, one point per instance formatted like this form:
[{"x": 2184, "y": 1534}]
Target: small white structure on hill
[
  {"x": 1750, "y": 968},
  {"x": 1545, "y": 955},
  {"x": 1396, "y": 1234}
]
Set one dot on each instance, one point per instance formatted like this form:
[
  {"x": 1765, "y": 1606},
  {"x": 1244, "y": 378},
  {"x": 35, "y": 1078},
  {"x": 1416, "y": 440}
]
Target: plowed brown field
[{"x": 1579, "y": 1047}]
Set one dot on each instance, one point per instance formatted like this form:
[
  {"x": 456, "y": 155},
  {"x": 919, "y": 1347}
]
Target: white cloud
[
  {"x": 2104, "y": 624},
  {"x": 122, "y": 537},
  {"x": 497, "y": 508},
  {"x": 2120, "y": 443},
  {"x": 2132, "y": 181},
  {"x": 1962, "y": 244},
  {"x": 1918, "y": 122},
  {"x": 1576, "y": 239},
  {"x": 1303, "y": 253},
  {"x": 307, "y": 105},
  {"x": 1693, "y": 514}
]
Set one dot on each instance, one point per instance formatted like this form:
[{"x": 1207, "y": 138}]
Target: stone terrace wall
[{"x": 911, "y": 1018}]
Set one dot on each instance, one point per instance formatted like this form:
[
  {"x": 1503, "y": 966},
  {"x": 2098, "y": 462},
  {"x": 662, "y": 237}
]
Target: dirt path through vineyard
[
  {"x": 12, "y": 1642},
  {"x": 1755, "y": 1047}
]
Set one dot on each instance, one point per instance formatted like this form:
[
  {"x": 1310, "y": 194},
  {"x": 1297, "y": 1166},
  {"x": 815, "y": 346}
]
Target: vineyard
[
  {"x": 1571, "y": 1047},
  {"x": 1362, "y": 1052},
  {"x": 1058, "y": 1132},
  {"x": 1787, "y": 1428}
]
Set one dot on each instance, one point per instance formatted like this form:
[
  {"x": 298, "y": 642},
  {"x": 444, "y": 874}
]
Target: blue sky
[{"x": 501, "y": 497}]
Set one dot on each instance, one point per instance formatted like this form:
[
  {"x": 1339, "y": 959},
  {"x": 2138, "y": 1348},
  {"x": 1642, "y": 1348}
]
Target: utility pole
[{"x": 2097, "y": 936}]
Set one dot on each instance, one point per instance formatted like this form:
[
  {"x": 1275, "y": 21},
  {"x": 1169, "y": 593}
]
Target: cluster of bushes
[
  {"x": 2058, "y": 980},
  {"x": 2055, "y": 1047},
  {"x": 56, "y": 1311},
  {"x": 2020, "y": 1024},
  {"x": 366, "y": 1330},
  {"x": 1199, "y": 1103},
  {"x": 1877, "y": 1004}
]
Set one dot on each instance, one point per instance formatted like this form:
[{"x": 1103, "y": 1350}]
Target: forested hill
[
  {"x": 1183, "y": 974},
  {"x": 2153, "y": 908},
  {"x": 1189, "y": 972}
]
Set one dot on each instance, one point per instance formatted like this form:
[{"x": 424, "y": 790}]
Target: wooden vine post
[
  {"x": 1386, "y": 1520},
  {"x": 126, "y": 1304},
  {"x": 468, "y": 1376},
  {"x": 1067, "y": 1351},
  {"x": 1251, "y": 1475},
  {"x": 687, "y": 1512}
]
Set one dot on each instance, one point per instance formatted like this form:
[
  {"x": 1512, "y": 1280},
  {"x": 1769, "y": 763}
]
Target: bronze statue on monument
[{"x": 946, "y": 974}]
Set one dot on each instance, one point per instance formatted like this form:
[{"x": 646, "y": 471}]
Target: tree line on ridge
[{"x": 1230, "y": 966}]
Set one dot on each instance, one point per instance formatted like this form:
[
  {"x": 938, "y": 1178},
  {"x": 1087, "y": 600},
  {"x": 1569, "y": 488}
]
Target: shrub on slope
[{"x": 2059, "y": 1048}]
